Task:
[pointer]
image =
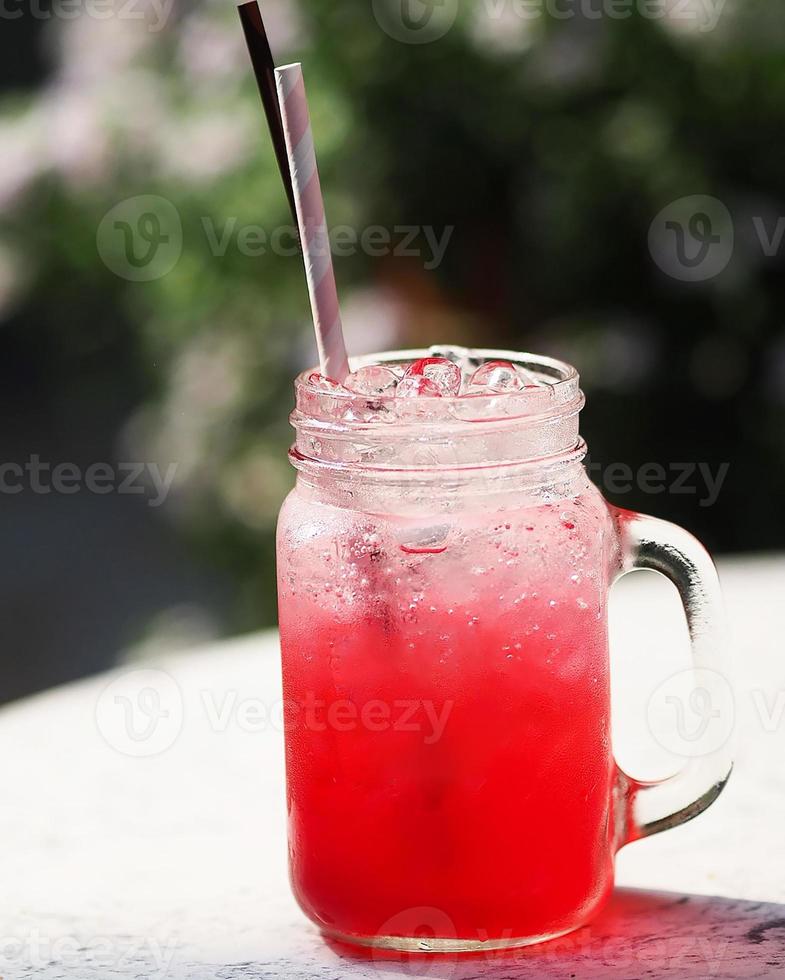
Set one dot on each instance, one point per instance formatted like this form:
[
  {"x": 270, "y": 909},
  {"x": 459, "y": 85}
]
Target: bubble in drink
[
  {"x": 417, "y": 387},
  {"x": 424, "y": 540},
  {"x": 374, "y": 380},
  {"x": 443, "y": 373}
]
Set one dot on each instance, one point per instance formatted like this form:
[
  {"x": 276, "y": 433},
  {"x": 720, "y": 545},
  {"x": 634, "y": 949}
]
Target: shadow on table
[{"x": 640, "y": 934}]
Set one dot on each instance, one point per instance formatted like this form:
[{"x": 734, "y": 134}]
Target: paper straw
[
  {"x": 311, "y": 222},
  {"x": 264, "y": 70}
]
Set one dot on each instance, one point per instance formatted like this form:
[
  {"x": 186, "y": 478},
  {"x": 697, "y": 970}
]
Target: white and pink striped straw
[{"x": 314, "y": 236}]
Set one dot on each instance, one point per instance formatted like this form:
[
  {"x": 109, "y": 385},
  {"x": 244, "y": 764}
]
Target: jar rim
[
  {"x": 341, "y": 430},
  {"x": 560, "y": 390}
]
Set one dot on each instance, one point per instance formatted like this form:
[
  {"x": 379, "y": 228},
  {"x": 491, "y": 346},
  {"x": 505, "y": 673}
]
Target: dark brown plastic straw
[{"x": 264, "y": 69}]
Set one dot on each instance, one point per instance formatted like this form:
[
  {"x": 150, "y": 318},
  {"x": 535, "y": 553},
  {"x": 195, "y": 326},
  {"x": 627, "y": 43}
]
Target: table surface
[{"x": 143, "y": 821}]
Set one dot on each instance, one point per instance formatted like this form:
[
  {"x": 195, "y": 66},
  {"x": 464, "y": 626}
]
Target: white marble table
[{"x": 121, "y": 863}]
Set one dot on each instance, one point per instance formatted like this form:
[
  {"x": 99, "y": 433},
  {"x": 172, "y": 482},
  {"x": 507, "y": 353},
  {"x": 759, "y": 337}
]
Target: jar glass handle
[{"x": 649, "y": 807}]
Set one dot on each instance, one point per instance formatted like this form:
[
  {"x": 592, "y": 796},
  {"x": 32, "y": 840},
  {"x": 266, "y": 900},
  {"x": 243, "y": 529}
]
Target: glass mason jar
[{"x": 443, "y": 573}]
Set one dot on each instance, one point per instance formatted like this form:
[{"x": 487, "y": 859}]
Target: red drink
[{"x": 448, "y": 745}]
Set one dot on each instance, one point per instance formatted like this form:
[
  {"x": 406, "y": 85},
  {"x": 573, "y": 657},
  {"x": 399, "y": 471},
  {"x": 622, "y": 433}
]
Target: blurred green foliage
[{"x": 549, "y": 144}]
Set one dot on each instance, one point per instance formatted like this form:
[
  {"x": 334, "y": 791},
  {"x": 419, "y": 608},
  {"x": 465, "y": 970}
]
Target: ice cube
[
  {"x": 323, "y": 383},
  {"x": 374, "y": 380},
  {"x": 440, "y": 371},
  {"x": 499, "y": 376},
  {"x": 417, "y": 387},
  {"x": 466, "y": 361},
  {"x": 472, "y": 407}
]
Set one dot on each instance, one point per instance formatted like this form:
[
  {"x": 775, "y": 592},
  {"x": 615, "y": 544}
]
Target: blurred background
[{"x": 599, "y": 180}]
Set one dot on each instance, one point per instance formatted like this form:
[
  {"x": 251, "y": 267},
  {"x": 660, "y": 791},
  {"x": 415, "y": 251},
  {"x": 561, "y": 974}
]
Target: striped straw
[{"x": 310, "y": 218}]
